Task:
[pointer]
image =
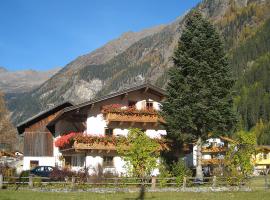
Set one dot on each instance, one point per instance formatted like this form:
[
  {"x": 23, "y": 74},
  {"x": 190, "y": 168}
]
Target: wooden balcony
[
  {"x": 214, "y": 149},
  {"x": 213, "y": 161},
  {"x": 96, "y": 146},
  {"x": 77, "y": 146},
  {"x": 135, "y": 118}
]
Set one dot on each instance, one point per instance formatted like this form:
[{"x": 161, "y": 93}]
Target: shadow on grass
[{"x": 141, "y": 195}]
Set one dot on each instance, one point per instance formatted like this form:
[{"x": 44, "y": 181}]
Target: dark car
[{"x": 42, "y": 171}]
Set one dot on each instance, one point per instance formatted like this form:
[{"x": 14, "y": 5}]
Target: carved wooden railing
[
  {"x": 214, "y": 149},
  {"x": 107, "y": 147},
  {"x": 213, "y": 161},
  {"x": 143, "y": 118},
  {"x": 94, "y": 146}
]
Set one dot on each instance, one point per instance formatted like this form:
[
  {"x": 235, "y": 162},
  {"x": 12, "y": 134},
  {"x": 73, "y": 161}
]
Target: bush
[
  {"x": 7, "y": 171},
  {"x": 61, "y": 174},
  {"x": 180, "y": 170},
  {"x": 164, "y": 174}
]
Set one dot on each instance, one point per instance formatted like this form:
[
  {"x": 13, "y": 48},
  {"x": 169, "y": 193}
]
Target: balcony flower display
[
  {"x": 68, "y": 140},
  {"x": 132, "y": 110},
  {"x": 65, "y": 140}
]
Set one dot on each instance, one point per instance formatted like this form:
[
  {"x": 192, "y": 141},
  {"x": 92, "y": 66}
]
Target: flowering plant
[
  {"x": 66, "y": 140},
  {"x": 106, "y": 140},
  {"x": 69, "y": 139},
  {"x": 121, "y": 109}
]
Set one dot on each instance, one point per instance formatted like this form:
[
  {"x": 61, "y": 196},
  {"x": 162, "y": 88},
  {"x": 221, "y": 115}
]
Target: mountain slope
[
  {"x": 23, "y": 81},
  {"x": 146, "y": 58}
]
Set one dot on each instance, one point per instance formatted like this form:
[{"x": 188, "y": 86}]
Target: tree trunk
[{"x": 199, "y": 172}]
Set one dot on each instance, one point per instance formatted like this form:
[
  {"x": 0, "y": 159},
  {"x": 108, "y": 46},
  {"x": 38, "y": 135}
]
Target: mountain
[
  {"x": 23, "y": 81},
  {"x": 2, "y": 70},
  {"x": 146, "y": 56}
]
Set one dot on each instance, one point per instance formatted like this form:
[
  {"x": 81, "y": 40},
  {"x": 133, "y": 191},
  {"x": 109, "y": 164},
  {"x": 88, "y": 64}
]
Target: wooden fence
[{"x": 152, "y": 182}]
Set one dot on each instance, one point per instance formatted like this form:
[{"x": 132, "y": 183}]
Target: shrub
[
  {"x": 7, "y": 171},
  {"x": 164, "y": 174},
  {"x": 61, "y": 174},
  {"x": 180, "y": 170}
]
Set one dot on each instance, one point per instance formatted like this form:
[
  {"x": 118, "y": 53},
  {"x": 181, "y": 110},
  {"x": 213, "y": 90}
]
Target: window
[
  {"x": 33, "y": 163},
  {"x": 132, "y": 103},
  {"x": 108, "y": 161},
  {"x": 67, "y": 160},
  {"x": 149, "y": 105},
  {"x": 108, "y": 131},
  {"x": 78, "y": 160},
  {"x": 264, "y": 156}
]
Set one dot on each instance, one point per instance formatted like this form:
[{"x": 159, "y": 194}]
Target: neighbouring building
[
  {"x": 38, "y": 139},
  {"x": 261, "y": 159},
  {"x": 213, "y": 155},
  {"x": 47, "y": 135}
]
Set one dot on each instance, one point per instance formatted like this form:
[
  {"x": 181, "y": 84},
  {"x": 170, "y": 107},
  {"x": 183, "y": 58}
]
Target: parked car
[{"x": 42, "y": 171}]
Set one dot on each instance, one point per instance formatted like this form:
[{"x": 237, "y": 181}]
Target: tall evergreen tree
[{"x": 199, "y": 98}]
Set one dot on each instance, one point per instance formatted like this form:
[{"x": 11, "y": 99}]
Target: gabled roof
[
  {"x": 21, "y": 127},
  {"x": 151, "y": 88}
]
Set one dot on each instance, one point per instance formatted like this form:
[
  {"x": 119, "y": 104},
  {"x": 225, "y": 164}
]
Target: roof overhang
[{"x": 22, "y": 126}]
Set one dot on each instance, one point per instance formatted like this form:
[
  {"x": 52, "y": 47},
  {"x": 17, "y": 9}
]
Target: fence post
[
  {"x": 153, "y": 182},
  {"x": 184, "y": 182},
  {"x": 214, "y": 181},
  {"x": 266, "y": 181},
  {"x": 30, "y": 183},
  {"x": 73, "y": 182},
  {"x": 1, "y": 181}
]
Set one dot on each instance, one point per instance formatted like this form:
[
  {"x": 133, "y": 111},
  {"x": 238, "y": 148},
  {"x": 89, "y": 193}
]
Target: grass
[{"x": 31, "y": 195}]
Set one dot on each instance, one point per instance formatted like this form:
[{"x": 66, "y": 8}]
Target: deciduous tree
[{"x": 7, "y": 131}]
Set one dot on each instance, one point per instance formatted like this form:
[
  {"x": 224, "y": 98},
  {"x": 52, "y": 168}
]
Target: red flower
[{"x": 65, "y": 140}]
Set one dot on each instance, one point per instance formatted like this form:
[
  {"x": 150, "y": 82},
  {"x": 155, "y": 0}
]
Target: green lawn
[{"x": 29, "y": 195}]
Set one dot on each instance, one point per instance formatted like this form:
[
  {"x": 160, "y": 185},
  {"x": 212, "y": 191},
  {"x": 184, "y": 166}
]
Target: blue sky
[{"x": 44, "y": 34}]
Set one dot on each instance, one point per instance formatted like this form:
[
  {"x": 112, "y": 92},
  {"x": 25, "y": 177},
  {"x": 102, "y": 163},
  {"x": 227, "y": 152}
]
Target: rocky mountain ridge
[{"x": 23, "y": 81}]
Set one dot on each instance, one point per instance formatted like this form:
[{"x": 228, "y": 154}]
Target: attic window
[
  {"x": 149, "y": 104},
  {"x": 108, "y": 131}
]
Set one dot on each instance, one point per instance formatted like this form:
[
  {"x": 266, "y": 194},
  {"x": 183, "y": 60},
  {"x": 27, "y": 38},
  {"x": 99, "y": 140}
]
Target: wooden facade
[
  {"x": 38, "y": 144},
  {"x": 38, "y": 140}
]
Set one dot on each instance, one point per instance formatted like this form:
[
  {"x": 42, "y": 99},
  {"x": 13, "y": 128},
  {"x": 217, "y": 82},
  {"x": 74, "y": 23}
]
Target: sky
[{"x": 44, "y": 34}]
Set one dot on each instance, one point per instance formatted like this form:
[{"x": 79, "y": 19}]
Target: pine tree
[
  {"x": 199, "y": 98},
  {"x": 7, "y": 131}
]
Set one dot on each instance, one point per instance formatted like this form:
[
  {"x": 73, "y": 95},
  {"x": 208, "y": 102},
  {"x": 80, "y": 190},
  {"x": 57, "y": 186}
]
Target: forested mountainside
[{"x": 244, "y": 24}]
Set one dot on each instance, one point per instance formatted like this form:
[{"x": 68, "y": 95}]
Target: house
[
  {"x": 38, "y": 139},
  {"x": 92, "y": 123},
  {"x": 213, "y": 154},
  {"x": 261, "y": 159}
]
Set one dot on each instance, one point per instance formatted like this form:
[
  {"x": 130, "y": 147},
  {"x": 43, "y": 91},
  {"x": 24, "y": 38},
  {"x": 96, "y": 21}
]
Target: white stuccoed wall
[
  {"x": 120, "y": 132},
  {"x": 92, "y": 163},
  {"x": 96, "y": 125},
  {"x": 45, "y": 161},
  {"x": 155, "y": 133}
]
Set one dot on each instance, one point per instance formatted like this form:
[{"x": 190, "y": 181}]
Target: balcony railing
[
  {"x": 122, "y": 117},
  {"x": 119, "y": 113},
  {"x": 214, "y": 149},
  {"x": 94, "y": 146},
  {"x": 80, "y": 141},
  {"x": 213, "y": 161}
]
